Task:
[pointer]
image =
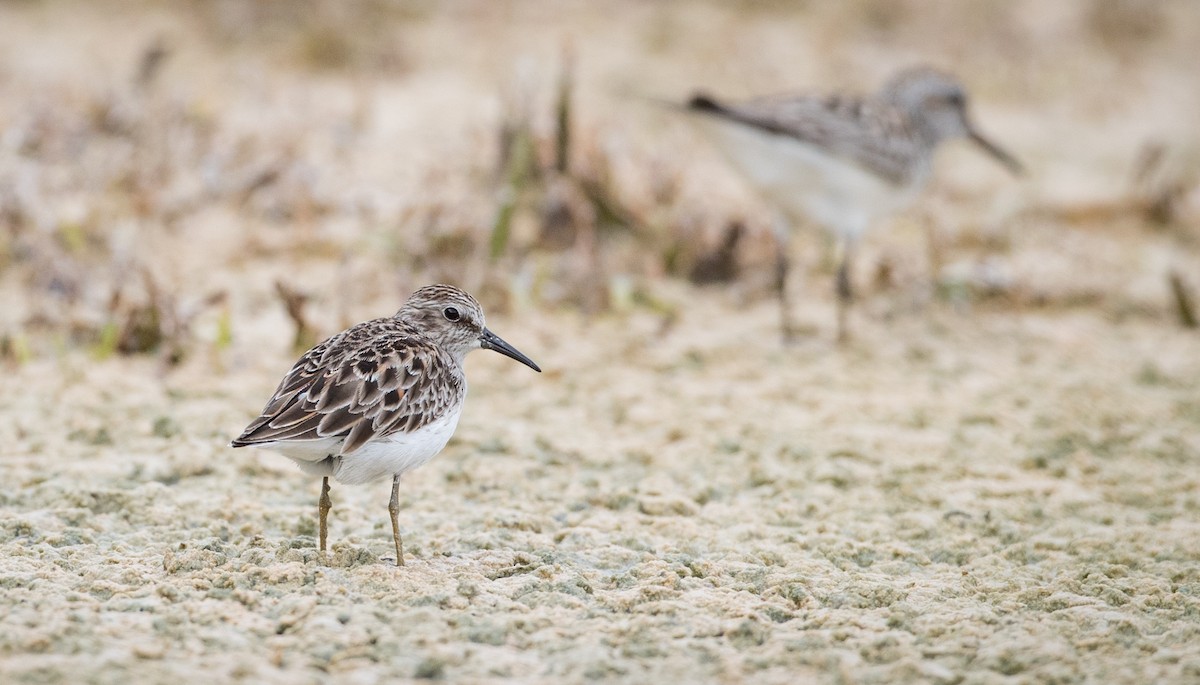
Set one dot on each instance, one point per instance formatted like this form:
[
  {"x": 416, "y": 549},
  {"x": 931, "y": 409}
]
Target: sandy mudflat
[
  {"x": 1013, "y": 504},
  {"x": 979, "y": 488}
]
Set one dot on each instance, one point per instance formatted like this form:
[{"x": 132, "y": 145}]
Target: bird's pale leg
[
  {"x": 845, "y": 291},
  {"x": 394, "y": 510},
  {"x": 783, "y": 245},
  {"x": 323, "y": 506}
]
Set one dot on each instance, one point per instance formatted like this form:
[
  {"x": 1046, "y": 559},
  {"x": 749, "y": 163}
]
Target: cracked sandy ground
[{"x": 1011, "y": 497}]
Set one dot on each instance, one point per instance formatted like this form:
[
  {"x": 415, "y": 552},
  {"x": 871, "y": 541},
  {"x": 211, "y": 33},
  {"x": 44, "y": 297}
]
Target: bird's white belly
[
  {"x": 806, "y": 182},
  {"x": 379, "y": 458}
]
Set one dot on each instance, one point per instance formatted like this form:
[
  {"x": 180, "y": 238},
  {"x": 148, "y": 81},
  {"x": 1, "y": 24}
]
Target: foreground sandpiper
[
  {"x": 844, "y": 161},
  {"x": 380, "y": 398}
]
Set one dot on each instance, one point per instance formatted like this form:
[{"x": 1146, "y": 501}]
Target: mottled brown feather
[{"x": 373, "y": 380}]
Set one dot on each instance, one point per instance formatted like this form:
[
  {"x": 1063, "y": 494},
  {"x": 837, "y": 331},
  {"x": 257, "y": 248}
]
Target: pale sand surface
[
  {"x": 1014, "y": 502},
  {"x": 993, "y": 491}
]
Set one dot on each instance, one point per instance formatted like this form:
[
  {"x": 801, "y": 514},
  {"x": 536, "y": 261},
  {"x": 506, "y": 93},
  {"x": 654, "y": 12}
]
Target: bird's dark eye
[{"x": 451, "y": 314}]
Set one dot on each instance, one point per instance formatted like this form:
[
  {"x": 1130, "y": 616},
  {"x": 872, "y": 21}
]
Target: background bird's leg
[
  {"x": 323, "y": 506},
  {"x": 845, "y": 290},
  {"x": 783, "y": 245},
  {"x": 394, "y": 510}
]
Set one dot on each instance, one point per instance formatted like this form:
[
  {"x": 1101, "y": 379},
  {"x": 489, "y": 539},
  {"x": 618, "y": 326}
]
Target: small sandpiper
[
  {"x": 844, "y": 161},
  {"x": 380, "y": 398}
]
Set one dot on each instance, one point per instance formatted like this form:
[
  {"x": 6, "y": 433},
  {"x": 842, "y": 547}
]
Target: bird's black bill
[
  {"x": 998, "y": 152},
  {"x": 491, "y": 341}
]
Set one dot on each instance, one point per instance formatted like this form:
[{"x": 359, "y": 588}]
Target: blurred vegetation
[
  {"x": 315, "y": 34},
  {"x": 95, "y": 176}
]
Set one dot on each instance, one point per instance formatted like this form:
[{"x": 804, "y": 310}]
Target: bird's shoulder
[
  {"x": 847, "y": 116},
  {"x": 372, "y": 380},
  {"x": 862, "y": 128}
]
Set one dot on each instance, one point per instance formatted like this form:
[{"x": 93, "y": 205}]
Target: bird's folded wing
[
  {"x": 874, "y": 137},
  {"x": 361, "y": 394}
]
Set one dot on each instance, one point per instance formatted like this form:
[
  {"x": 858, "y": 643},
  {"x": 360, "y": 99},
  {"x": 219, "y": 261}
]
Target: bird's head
[
  {"x": 936, "y": 104},
  {"x": 452, "y": 318}
]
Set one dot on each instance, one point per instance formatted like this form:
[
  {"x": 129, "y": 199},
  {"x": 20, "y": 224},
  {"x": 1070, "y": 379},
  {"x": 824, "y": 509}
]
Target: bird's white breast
[
  {"x": 379, "y": 458},
  {"x": 805, "y": 181}
]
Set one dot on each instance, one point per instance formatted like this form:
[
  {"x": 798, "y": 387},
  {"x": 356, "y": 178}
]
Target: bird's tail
[
  {"x": 703, "y": 102},
  {"x": 698, "y": 102}
]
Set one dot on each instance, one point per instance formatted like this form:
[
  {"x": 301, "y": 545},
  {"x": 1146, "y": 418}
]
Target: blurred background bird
[{"x": 841, "y": 160}]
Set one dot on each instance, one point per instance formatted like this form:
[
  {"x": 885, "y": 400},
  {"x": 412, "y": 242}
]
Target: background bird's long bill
[
  {"x": 996, "y": 151},
  {"x": 491, "y": 341}
]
